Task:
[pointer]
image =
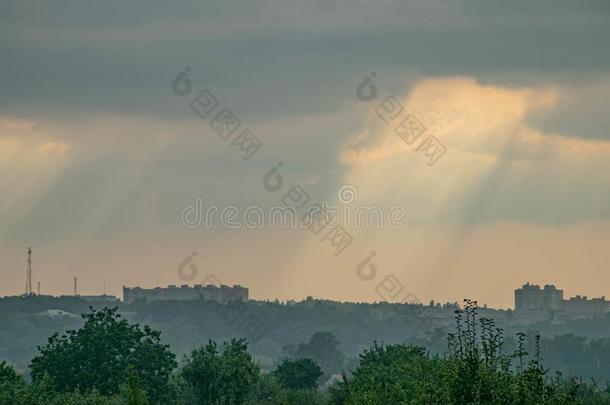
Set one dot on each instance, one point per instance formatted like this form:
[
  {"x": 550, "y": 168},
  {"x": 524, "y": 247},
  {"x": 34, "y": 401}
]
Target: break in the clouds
[
  {"x": 95, "y": 148},
  {"x": 497, "y": 165}
]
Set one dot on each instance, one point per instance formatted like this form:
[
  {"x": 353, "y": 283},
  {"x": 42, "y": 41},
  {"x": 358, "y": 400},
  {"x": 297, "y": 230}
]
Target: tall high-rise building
[{"x": 533, "y": 304}]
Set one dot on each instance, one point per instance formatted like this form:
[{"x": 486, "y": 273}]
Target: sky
[{"x": 107, "y": 170}]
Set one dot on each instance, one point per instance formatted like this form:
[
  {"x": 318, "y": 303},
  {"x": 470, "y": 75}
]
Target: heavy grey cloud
[
  {"x": 287, "y": 69},
  {"x": 274, "y": 58}
]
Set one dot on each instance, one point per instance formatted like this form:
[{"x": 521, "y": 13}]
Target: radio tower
[{"x": 28, "y": 275}]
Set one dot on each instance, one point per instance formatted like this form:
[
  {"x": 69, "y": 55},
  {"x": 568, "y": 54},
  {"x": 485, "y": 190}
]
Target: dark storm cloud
[
  {"x": 272, "y": 58},
  {"x": 283, "y": 68}
]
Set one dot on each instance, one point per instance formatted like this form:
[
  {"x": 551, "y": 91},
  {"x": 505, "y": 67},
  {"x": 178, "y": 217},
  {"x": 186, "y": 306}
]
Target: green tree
[
  {"x": 132, "y": 392},
  {"x": 12, "y": 385},
  {"x": 323, "y": 347},
  {"x": 297, "y": 397},
  {"x": 226, "y": 377},
  {"x": 102, "y": 353},
  {"x": 393, "y": 374},
  {"x": 8, "y": 374},
  {"x": 270, "y": 392},
  {"x": 298, "y": 374}
]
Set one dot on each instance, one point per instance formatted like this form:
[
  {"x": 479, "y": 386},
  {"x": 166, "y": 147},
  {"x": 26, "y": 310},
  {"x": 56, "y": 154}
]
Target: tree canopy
[
  {"x": 103, "y": 353},
  {"x": 298, "y": 374},
  {"x": 323, "y": 347},
  {"x": 477, "y": 368},
  {"x": 227, "y": 376}
]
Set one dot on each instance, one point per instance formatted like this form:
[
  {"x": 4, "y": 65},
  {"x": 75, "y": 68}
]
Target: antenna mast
[
  {"x": 28, "y": 274},
  {"x": 75, "y": 286}
]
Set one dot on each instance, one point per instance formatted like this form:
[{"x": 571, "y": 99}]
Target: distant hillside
[{"x": 272, "y": 327}]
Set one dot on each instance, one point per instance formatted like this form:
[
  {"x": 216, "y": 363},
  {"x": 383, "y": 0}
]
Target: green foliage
[
  {"x": 475, "y": 371},
  {"x": 100, "y": 356},
  {"x": 186, "y": 324},
  {"x": 45, "y": 392},
  {"x": 229, "y": 376},
  {"x": 8, "y": 374},
  {"x": 393, "y": 374},
  {"x": 12, "y": 385},
  {"x": 323, "y": 347},
  {"x": 298, "y": 397},
  {"x": 111, "y": 362},
  {"x": 132, "y": 392},
  {"x": 271, "y": 392},
  {"x": 298, "y": 374}
]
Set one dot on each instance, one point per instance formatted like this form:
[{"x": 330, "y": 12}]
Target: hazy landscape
[
  {"x": 365, "y": 202},
  {"x": 333, "y": 334}
]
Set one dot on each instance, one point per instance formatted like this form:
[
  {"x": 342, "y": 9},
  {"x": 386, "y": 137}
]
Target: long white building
[{"x": 222, "y": 293}]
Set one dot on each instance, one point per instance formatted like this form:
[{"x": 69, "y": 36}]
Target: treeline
[
  {"x": 577, "y": 348},
  {"x": 112, "y": 361},
  {"x": 185, "y": 324}
]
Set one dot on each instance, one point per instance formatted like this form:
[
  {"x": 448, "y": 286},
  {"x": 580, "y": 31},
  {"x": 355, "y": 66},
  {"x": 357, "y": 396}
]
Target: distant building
[
  {"x": 99, "y": 298},
  {"x": 535, "y": 304},
  {"x": 581, "y": 306},
  {"x": 184, "y": 292}
]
